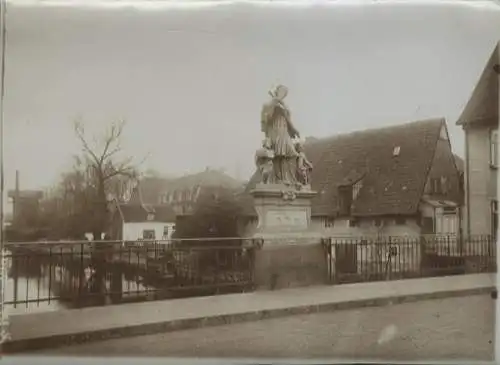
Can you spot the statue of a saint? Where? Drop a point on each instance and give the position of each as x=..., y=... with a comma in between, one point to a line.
x=279, y=130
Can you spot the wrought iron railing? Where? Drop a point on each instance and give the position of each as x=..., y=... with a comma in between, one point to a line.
x=363, y=259
x=78, y=274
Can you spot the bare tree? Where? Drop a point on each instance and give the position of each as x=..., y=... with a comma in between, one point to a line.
x=106, y=171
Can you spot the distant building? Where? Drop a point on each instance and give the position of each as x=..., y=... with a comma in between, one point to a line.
x=25, y=204
x=184, y=192
x=132, y=222
x=393, y=181
x=151, y=189
x=479, y=120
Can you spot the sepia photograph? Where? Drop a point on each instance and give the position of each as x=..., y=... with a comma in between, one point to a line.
x=260, y=181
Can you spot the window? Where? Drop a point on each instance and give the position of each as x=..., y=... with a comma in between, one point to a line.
x=436, y=186
x=494, y=148
x=446, y=224
x=353, y=223
x=444, y=185
x=150, y=216
x=494, y=218
x=449, y=210
x=148, y=234
x=165, y=231
x=377, y=222
x=400, y=221
x=329, y=222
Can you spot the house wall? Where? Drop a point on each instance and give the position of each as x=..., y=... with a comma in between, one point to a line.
x=134, y=230
x=481, y=181
x=340, y=228
x=444, y=224
x=365, y=227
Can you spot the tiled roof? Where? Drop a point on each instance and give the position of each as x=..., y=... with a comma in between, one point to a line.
x=390, y=184
x=206, y=178
x=139, y=213
x=483, y=103
x=150, y=189
x=459, y=162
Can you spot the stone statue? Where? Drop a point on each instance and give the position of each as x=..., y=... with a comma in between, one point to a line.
x=264, y=160
x=304, y=166
x=279, y=130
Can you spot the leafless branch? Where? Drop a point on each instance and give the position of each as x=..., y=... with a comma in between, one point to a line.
x=80, y=133
x=112, y=137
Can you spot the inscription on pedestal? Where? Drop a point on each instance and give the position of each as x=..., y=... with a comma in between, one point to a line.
x=283, y=218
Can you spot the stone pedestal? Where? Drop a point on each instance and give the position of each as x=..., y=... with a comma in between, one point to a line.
x=292, y=253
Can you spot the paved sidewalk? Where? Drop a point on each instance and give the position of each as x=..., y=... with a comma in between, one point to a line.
x=73, y=326
x=460, y=328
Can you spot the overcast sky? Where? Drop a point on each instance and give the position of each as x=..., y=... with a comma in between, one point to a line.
x=191, y=82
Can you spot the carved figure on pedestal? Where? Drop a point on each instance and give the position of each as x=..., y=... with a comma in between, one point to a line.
x=278, y=128
x=304, y=166
x=264, y=160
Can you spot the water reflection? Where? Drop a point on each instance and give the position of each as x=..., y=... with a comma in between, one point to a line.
x=42, y=285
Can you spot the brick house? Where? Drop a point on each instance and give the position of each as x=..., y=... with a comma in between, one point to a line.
x=479, y=120
x=393, y=181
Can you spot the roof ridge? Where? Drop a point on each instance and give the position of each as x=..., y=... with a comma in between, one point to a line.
x=376, y=129
x=430, y=161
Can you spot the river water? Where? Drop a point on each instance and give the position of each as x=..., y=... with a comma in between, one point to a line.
x=41, y=283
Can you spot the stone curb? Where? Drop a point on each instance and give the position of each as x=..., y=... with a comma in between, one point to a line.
x=32, y=344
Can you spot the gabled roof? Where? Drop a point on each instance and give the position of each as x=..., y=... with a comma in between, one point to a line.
x=459, y=162
x=482, y=106
x=390, y=185
x=149, y=189
x=206, y=178
x=139, y=213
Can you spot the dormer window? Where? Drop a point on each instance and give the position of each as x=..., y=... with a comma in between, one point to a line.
x=150, y=216
x=396, y=151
